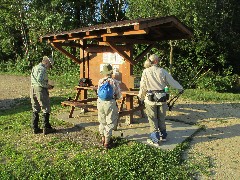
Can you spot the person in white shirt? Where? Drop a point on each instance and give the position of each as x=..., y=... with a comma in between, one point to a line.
x=153, y=82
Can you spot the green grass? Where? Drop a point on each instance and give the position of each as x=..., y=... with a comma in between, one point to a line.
x=24, y=155
x=209, y=96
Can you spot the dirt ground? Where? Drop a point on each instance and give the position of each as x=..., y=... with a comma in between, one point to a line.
x=217, y=144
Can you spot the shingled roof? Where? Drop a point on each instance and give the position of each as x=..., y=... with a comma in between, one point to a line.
x=143, y=30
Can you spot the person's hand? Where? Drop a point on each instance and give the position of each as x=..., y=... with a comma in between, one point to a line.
x=181, y=91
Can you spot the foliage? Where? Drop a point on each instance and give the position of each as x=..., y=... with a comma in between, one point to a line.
x=219, y=83
x=215, y=45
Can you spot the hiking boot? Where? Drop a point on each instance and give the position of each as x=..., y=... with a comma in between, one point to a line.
x=37, y=131
x=35, y=120
x=48, y=131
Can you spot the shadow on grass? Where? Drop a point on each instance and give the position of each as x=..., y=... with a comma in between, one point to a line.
x=19, y=105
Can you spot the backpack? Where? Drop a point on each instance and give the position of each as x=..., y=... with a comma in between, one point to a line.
x=84, y=82
x=105, y=91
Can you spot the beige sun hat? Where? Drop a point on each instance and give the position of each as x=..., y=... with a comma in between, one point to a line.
x=107, y=69
x=49, y=59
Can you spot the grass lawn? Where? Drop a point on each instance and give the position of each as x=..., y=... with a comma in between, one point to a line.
x=77, y=154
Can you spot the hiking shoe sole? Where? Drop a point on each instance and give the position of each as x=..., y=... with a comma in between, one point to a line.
x=150, y=142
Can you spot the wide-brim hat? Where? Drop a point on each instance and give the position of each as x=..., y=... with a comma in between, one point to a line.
x=107, y=69
x=49, y=59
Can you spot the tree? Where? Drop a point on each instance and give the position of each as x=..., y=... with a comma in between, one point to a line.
x=215, y=45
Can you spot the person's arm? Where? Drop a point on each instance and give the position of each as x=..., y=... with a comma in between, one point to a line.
x=172, y=82
x=143, y=87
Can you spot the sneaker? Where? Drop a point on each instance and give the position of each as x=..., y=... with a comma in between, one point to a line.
x=164, y=139
x=49, y=130
x=150, y=142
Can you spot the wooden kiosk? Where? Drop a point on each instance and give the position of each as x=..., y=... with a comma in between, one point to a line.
x=113, y=43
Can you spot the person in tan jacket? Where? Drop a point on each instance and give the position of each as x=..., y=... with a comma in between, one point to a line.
x=152, y=91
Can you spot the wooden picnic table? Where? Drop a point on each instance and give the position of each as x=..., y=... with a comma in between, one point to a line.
x=86, y=102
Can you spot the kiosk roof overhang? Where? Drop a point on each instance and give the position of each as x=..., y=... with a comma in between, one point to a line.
x=139, y=31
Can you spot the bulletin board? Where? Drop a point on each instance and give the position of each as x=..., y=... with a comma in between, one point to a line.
x=122, y=69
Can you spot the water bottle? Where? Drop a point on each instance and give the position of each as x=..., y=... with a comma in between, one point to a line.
x=166, y=89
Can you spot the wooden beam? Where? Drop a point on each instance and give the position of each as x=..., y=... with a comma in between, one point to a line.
x=140, y=56
x=73, y=35
x=59, y=47
x=94, y=48
x=72, y=44
x=182, y=28
x=146, y=31
x=153, y=22
x=120, y=52
x=99, y=49
x=127, y=40
x=92, y=37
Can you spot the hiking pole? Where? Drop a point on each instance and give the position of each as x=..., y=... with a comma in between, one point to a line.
x=175, y=98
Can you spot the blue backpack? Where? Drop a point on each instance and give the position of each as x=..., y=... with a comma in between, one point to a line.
x=105, y=91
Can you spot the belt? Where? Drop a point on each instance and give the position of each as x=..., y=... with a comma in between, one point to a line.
x=156, y=91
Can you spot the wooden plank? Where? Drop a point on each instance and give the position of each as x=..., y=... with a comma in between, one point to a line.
x=77, y=104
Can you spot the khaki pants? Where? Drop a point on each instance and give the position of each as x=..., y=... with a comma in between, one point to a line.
x=107, y=117
x=156, y=116
x=40, y=99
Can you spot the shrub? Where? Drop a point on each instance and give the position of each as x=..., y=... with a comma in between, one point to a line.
x=215, y=82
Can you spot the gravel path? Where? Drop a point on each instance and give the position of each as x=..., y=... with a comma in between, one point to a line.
x=217, y=144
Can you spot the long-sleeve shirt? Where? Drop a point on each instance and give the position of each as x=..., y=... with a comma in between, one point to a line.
x=155, y=78
x=39, y=76
x=114, y=83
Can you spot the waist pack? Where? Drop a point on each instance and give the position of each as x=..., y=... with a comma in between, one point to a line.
x=157, y=96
